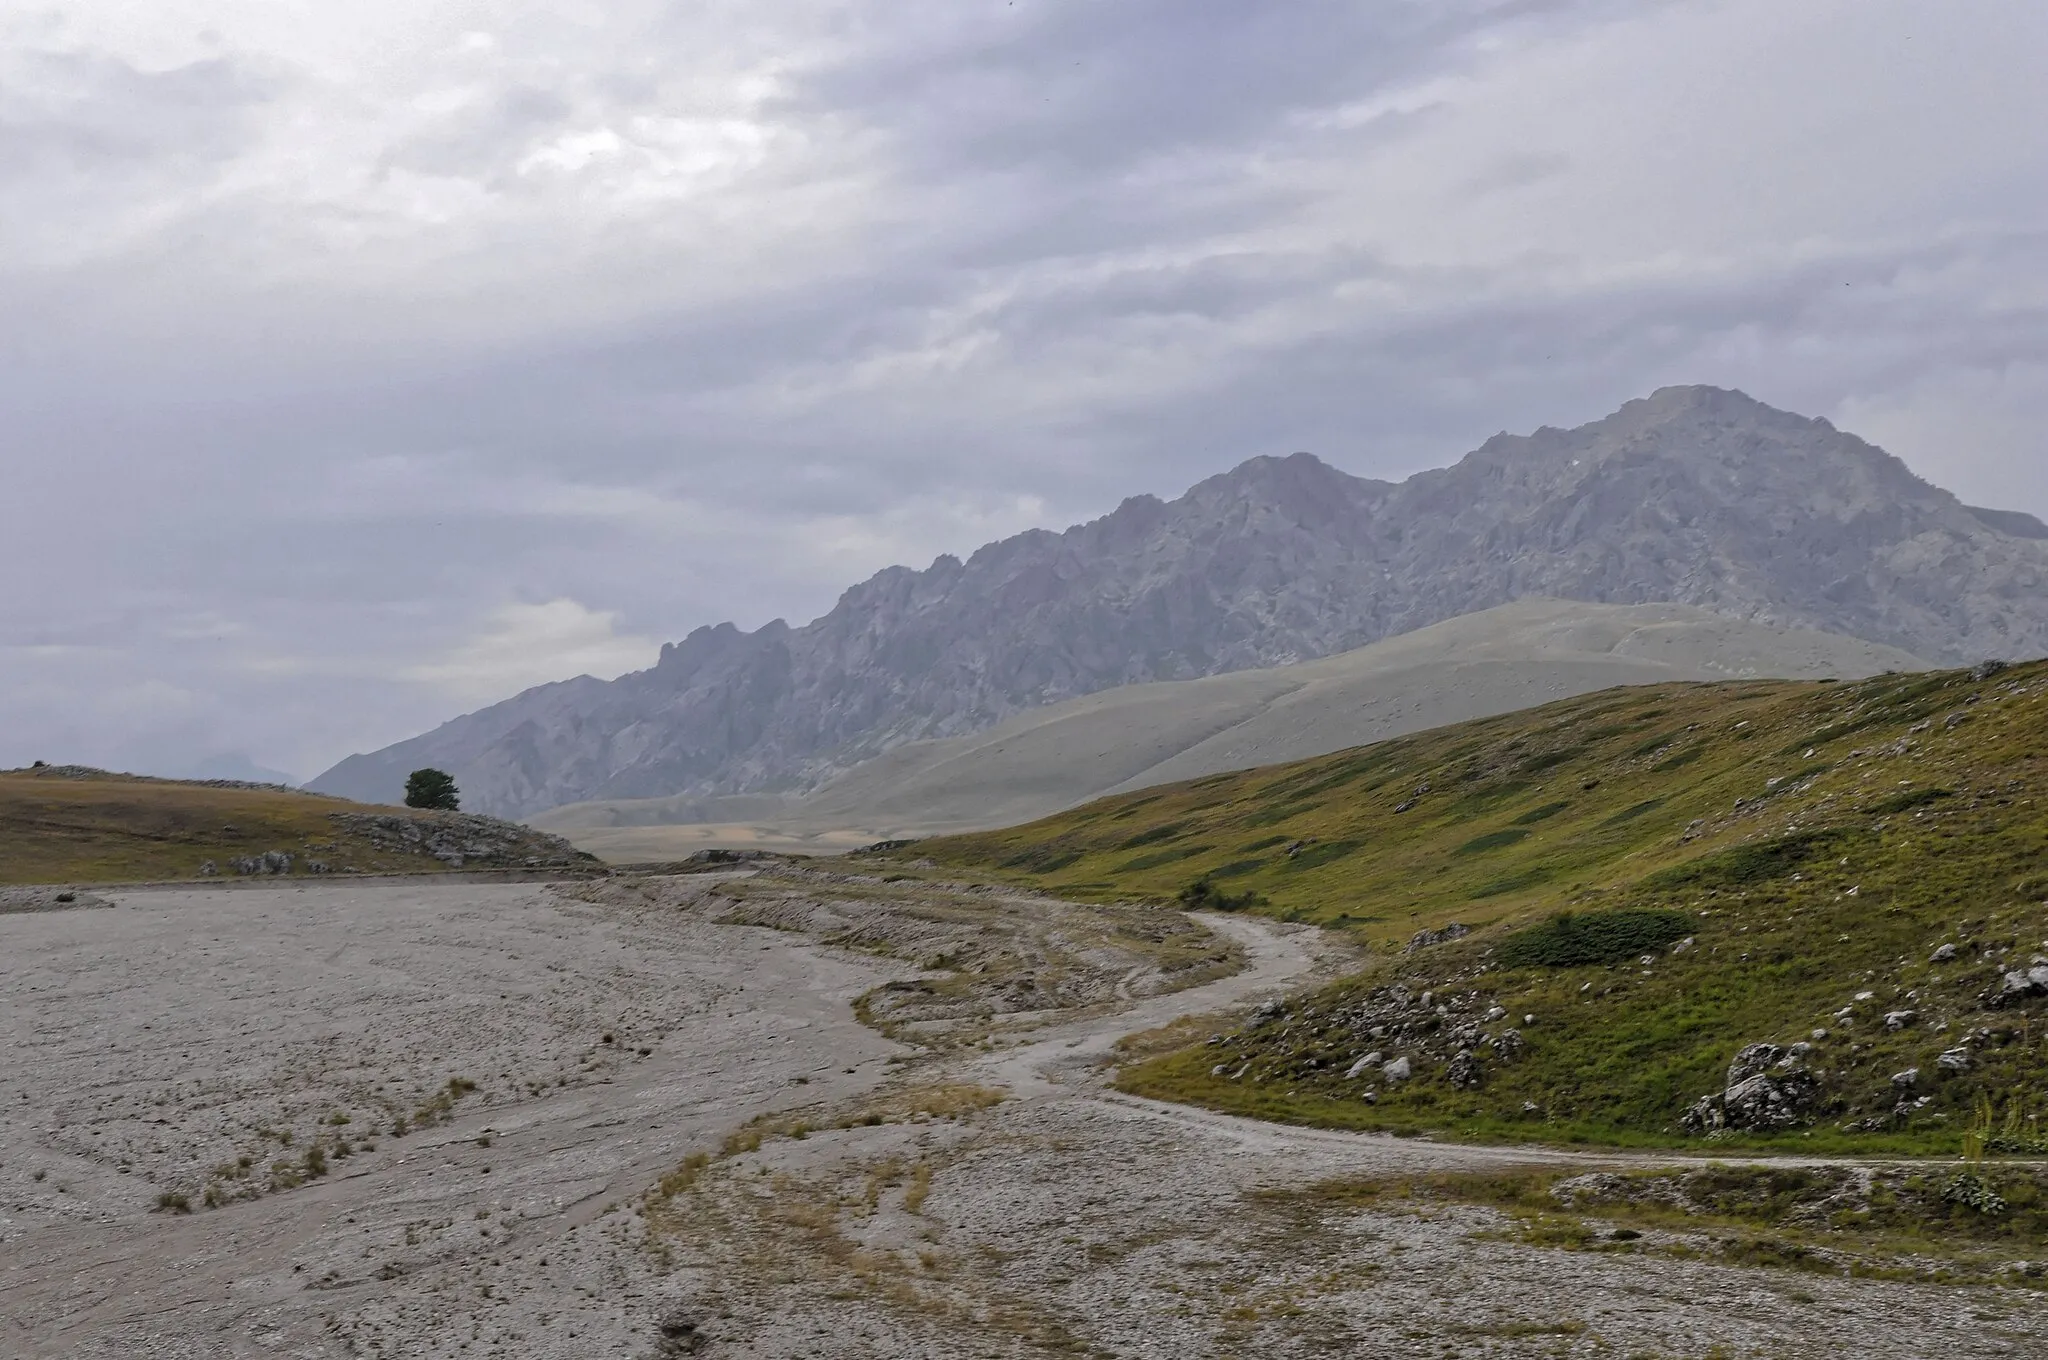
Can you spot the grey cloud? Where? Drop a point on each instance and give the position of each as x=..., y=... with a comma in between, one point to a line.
x=1071, y=87
x=88, y=113
x=485, y=141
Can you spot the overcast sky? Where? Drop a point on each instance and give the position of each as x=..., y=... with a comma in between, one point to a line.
x=361, y=364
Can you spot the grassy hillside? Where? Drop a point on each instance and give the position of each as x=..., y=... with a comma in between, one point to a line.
x=1660, y=877
x=67, y=825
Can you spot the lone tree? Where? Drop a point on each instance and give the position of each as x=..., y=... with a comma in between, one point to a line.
x=432, y=789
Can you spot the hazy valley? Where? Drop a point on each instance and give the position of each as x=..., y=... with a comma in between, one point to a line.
x=1592, y=899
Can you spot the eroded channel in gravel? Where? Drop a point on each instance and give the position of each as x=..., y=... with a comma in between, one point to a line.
x=769, y=1177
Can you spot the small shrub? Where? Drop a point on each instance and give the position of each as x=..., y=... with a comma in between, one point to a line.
x=1569, y=940
x=173, y=1202
x=1968, y=1189
x=1203, y=895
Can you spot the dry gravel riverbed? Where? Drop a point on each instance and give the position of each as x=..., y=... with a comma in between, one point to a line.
x=636, y=1125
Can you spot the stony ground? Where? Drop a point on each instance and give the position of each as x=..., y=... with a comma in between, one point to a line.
x=634, y=1126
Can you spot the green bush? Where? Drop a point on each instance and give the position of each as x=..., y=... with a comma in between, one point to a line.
x=1202, y=895
x=1569, y=940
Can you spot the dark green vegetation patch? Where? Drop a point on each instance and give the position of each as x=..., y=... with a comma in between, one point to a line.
x=1572, y=939
x=1907, y=801
x=1492, y=840
x=1745, y=864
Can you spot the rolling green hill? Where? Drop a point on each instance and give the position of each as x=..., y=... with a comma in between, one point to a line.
x=1661, y=877
x=68, y=824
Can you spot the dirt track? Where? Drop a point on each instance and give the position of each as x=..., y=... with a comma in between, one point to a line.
x=165, y=1034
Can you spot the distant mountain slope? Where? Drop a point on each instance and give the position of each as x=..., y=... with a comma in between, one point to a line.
x=1047, y=759
x=1694, y=495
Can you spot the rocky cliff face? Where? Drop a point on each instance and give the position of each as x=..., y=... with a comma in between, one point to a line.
x=1692, y=495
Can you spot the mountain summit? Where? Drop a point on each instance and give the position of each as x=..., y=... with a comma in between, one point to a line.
x=1693, y=495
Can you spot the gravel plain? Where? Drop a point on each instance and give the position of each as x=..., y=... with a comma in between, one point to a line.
x=631, y=1129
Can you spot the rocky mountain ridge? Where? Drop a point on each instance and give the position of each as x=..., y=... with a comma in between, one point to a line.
x=1694, y=495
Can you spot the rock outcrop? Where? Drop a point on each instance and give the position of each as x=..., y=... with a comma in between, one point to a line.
x=1768, y=1088
x=1693, y=495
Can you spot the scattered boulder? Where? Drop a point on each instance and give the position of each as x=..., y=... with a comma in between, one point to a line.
x=1954, y=1060
x=1768, y=1088
x=720, y=855
x=1906, y=1080
x=456, y=839
x=1359, y=1068
x=1752, y=1060
x=1398, y=1071
x=2015, y=986
x=1898, y=1020
x=1464, y=1070
x=1423, y=939
x=1944, y=954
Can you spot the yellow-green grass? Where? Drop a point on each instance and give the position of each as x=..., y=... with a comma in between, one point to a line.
x=1821, y=841
x=108, y=828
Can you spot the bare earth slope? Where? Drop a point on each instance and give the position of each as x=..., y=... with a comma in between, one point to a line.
x=1044, y=760
x=1694, y=495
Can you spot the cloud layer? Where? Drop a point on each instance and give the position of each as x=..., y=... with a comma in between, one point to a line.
x=364, y=365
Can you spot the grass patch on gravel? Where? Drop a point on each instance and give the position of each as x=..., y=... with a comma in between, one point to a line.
x=1897, y=1222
